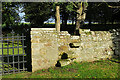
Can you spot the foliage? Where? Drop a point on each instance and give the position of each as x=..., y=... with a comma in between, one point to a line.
x=101, y=12
x=9, y=14
x=37, y=13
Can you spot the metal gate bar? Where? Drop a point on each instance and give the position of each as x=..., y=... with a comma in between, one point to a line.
x=13, y=62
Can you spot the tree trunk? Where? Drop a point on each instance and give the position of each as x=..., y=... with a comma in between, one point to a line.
x=57, y=21
x=78, y=17
x=105, y=21
x=81, y=15
x=72, y=21
x=89, y=22
x=64, y=18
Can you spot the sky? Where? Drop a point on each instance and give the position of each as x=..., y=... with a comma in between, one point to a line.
x=21, y=15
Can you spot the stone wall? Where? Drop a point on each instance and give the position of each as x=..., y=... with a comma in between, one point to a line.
x=50, y=48
x=90, y=46
x=116, y=41
x=44, y=48
x=94, y=45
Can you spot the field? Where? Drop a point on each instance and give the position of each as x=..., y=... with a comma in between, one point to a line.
x=98, y=69
x=8, y=54
x=10, y=51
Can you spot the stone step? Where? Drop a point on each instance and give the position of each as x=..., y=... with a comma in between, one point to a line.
x=64, y=62
x=74, y=45
x=67, y=55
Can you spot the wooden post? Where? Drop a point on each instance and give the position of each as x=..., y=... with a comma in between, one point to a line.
x=57, y=21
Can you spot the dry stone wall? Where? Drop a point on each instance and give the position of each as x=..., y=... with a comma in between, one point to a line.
x=44, y=48
x=50, y=48
x=94, y=45
x=116, y=41
x=90, y=46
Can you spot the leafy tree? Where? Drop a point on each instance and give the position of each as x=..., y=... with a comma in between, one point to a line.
x=80, y=9
x=66, y=12
x=37, y=13
x=115, y=11
x=9, y=13
x=103, y=12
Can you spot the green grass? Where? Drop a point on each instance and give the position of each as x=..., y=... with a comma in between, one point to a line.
x=96, y=69
x=10, y=51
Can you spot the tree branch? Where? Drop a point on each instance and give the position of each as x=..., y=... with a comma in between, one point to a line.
x=74, y=5
x=114, y=6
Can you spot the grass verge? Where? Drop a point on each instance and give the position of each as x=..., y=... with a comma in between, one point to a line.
x=96, y=69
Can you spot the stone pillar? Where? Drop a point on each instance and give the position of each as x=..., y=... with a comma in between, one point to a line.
x=44, y=48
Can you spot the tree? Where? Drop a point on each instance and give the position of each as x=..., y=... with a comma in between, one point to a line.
x=101, y=12
x=79, y=8
x=116, y=11
x=81, y=14
x=37, y=13
x=9, y=13
x=65, y=13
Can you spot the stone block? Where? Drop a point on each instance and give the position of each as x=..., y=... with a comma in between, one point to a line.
x=38, y=64
x=63, y=48
x=75, y=37
x=43, y=29
x=75, y=40
x=64, y=62
x=35, y=40
x=37, y=45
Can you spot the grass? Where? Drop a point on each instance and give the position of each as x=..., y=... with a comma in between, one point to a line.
x=96, y=69
x=10, y=51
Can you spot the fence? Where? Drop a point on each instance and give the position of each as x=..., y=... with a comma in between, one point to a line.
x=12, y=54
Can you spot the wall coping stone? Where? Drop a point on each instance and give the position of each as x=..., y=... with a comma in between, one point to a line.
x=45, y=29
x=75, y=37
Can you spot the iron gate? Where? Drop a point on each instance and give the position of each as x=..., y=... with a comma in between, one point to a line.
x=12, y=54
